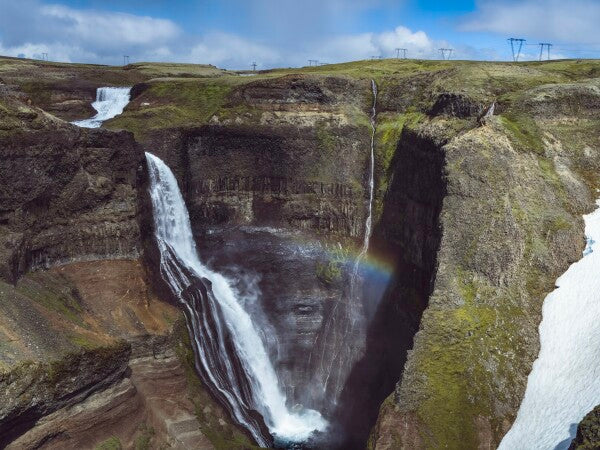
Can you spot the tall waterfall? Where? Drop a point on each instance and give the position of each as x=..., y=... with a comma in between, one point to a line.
x=343, y=339
x=230, y=355
x=110, y=102
x=564, y=385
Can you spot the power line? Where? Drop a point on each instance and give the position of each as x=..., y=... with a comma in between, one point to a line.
x=512, y=47
x=403, y=50
x=542, y=45
x=443, y=52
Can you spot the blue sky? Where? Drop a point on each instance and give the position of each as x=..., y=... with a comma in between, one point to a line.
x=233, y=33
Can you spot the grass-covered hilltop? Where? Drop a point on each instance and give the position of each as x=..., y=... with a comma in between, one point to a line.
x=475, y=217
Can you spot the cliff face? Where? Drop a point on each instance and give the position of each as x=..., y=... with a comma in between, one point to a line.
x=89, y=353
x=510, y=224
x=474, y=219
x=67, y=194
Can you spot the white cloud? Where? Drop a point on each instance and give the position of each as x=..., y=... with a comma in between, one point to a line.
x=110, y=29
x=567, y=21
x=29, y=27
x=366, y=45
x=229, y=50
x=79, y=35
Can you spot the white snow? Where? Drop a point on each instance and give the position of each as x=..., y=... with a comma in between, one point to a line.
x=564, y=384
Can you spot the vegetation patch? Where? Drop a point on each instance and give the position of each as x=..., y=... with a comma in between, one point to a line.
x=388, y=132
x=112, y=443
x=524, y=132
x=144, y=437
x=54, y=293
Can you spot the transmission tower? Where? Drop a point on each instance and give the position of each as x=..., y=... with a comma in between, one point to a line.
x=403, y=50
x=512, y=47
x=443, y=53
x=542, y=45
x=44, y=56
x=125, y=60
x=254, y=66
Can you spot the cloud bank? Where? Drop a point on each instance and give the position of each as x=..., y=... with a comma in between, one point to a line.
x=31, y=27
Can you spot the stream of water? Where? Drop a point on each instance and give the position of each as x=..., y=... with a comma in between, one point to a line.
x=230, y=354
x=110, y=102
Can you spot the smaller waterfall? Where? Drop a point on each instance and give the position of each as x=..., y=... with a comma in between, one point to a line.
x=110, y=102
x=230, y=355
x=343, y=339
x=490, y=111
x=369, y=221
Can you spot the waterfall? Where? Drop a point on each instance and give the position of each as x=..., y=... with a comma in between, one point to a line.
x=230, y=355
x=490, y=112
x=110, y=102
x=369, y=221
x=564, y=385
x=343, y=338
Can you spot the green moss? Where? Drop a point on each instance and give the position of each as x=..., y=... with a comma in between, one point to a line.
x=54, y=293
x=525, y=133
x=173, y=103
x=112, y=443
x=465, y=341
x=144, y=437
x=83, y=341
x=387, y=136
x=327, y=140
x=330, y=272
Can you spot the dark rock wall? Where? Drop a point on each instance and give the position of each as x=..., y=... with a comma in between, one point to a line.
x=588, y=432
x=407, y=238
x=66, y=194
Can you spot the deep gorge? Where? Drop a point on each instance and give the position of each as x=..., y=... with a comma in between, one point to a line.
x=474, y=217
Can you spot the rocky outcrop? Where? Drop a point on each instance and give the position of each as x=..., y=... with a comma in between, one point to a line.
x=67, y=194
x=588, y=432
x=151, y=395
x=511, y=223
x=32, y=391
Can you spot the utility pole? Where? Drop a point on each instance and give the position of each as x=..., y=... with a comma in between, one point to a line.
x=512, y=47
x=125, y=60
x=254, y=66
x=443, y=52
x=398, y=50
x=542, y=45
x=313, y=62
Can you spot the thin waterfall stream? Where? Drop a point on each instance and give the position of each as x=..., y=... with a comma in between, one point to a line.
x=369, y=220
x=230, y=355
x=345, y=330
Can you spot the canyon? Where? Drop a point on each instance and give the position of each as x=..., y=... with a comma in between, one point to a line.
x=391, y=243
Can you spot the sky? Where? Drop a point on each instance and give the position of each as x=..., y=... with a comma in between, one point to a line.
x=287, y=33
